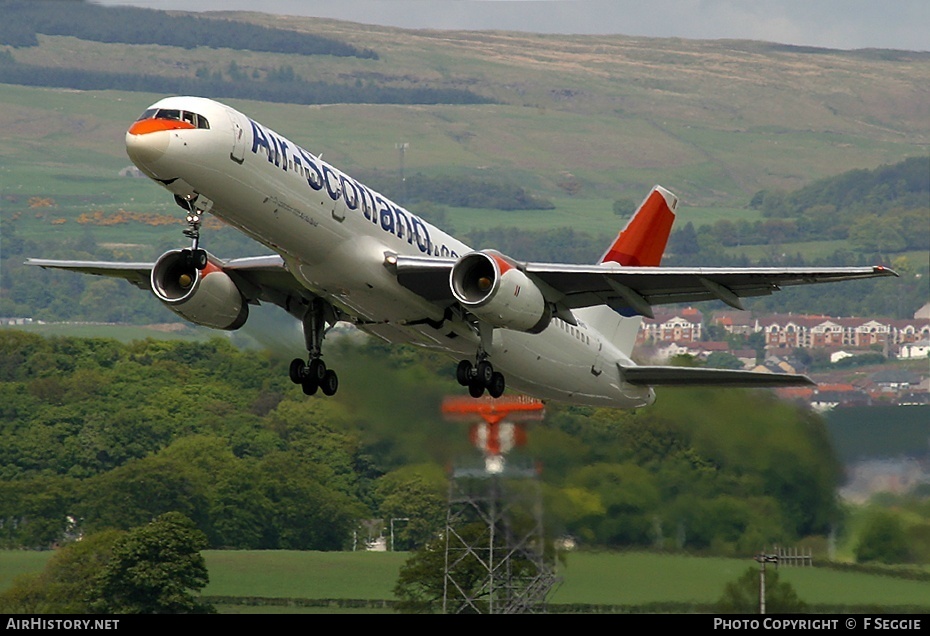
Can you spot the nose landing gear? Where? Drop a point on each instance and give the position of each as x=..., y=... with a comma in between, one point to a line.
x=195, y=207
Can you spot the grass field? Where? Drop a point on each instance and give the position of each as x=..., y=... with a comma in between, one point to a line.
x=587, y=578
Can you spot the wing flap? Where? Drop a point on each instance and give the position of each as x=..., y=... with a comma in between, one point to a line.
x=690, y=376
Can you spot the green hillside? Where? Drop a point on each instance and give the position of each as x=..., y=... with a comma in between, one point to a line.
x=742, y=131
x=716, y=121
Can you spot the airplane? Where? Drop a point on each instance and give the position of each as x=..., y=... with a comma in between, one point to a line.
x=344, y=252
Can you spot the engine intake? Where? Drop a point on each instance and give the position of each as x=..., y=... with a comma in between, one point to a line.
x=207, y=297
x=494, y=289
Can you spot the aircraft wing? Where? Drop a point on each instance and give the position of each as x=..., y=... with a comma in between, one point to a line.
x=703, y=376
x=136, y=273
x=259, y=278
x=637, y=288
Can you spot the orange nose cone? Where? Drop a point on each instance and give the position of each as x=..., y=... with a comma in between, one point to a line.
x=145, y=126
x=145, y=147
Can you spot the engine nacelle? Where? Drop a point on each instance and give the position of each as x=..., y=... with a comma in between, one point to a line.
x=491, y=287
x=205, y=297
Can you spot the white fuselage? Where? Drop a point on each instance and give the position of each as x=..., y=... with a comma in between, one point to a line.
x=334, y=234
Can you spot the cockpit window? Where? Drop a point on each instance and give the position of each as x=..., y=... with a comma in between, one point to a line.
x=195, y=120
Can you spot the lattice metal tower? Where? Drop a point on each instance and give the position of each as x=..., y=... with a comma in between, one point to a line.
x=495, y=549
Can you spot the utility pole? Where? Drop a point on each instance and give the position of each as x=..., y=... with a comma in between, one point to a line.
x=763, y=559
x=402, y=153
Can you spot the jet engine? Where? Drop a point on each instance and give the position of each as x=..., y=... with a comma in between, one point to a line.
x=207, y=297
x=493, y=288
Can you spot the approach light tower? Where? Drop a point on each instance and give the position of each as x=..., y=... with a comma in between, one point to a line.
x=495, y=545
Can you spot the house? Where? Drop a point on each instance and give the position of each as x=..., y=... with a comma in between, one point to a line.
x=829, y=396
x=894, y=380
x=912, y=350
x=793, y=331
x=736, y=322
x=684, y=325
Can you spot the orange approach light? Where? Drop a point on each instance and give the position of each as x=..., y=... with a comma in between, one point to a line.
x=497, y=425
x=493, y=411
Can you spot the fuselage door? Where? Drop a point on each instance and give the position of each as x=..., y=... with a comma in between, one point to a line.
x=237, y=153
x=596, y=369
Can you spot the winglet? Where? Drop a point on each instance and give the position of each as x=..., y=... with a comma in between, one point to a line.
x=642, y=242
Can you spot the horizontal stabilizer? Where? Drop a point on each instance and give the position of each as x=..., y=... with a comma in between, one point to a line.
x=691, y=376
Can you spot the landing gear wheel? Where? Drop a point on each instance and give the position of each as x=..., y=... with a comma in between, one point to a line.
x=475, y=388
x=330, y=382
x=297, y=370
x=485, y=372
x=316, y=370
x=463, y=373
x=309, y=385
x=199, y=259
x=497, y=385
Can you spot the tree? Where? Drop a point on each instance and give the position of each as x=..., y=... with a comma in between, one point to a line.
x=742, y=595
x=883, y=539
x=155, y=569
x=419, y=587
x=417, y=495
x=421, y=583
x=625, y=207
x=724, y=360
x=64, y=586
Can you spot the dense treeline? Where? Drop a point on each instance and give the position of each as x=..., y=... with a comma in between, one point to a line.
x=129, y=25
x=96, y=435
x=903, y=184
x=883, y=210
x=46, y=295
x=293, y=91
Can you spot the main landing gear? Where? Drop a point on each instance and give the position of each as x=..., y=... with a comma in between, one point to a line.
x=313, y=374
x=480, y=376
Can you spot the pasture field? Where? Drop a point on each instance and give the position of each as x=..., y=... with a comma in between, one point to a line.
x=616, y=579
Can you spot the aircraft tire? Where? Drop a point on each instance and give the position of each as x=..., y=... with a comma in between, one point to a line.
x=485, y=372
x=316, y=370
x=463, y=372
x=475, y=388
x=497, y=385
x=296, y=371
x=330, y=382
x=309, y=385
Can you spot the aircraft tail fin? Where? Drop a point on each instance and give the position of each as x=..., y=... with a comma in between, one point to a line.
x=642, y=242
